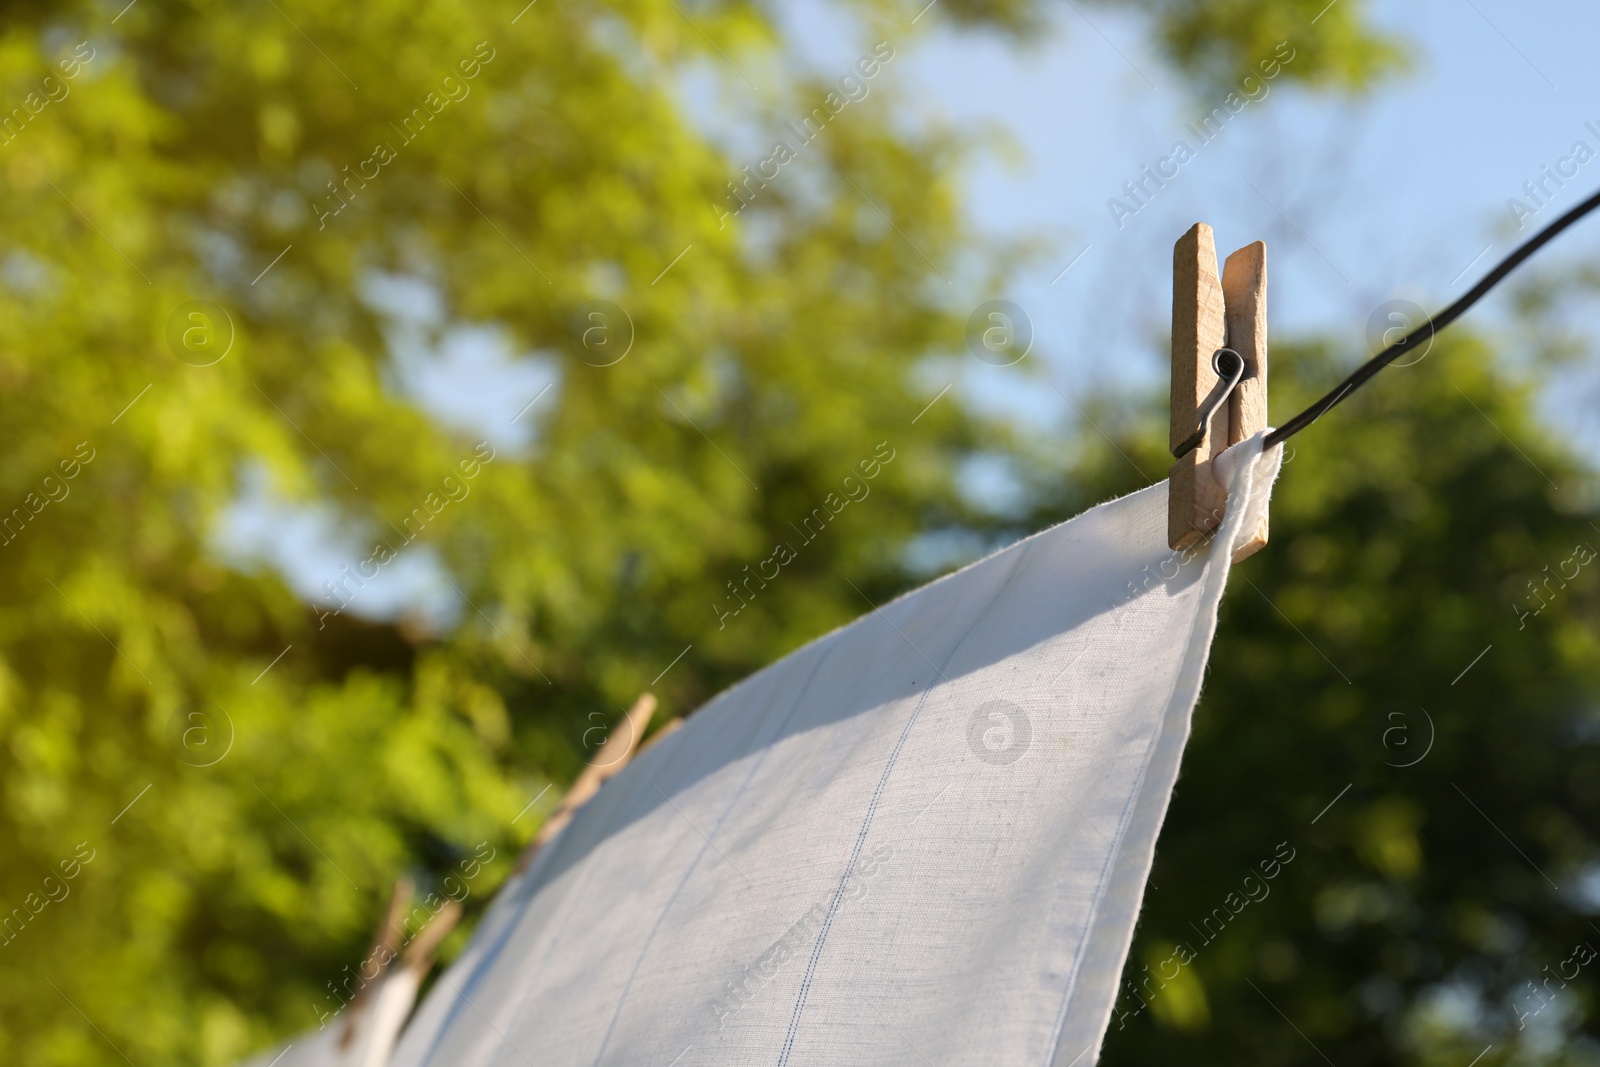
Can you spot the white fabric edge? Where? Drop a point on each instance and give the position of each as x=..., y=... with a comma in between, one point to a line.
x=1249, y=472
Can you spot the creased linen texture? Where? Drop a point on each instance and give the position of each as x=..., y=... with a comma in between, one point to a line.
x=923, y=838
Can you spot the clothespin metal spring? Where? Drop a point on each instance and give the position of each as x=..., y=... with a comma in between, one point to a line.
x=1230, y=369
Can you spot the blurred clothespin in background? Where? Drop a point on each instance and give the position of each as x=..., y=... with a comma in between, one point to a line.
x=615, y=751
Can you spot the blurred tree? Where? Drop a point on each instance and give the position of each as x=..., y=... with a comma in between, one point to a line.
x=1382, y=847
x=230, y=231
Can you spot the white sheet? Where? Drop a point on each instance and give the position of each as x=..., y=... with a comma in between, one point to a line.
x=922, y=838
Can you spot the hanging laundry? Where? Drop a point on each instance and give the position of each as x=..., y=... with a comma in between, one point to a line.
x=923, y=838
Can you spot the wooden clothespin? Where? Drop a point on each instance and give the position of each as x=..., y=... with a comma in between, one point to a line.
x=1211, y=313
x=614, y=753
x=375, y=1015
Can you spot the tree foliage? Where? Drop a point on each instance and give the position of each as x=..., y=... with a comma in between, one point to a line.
x=225, y=224
x=1402, y=699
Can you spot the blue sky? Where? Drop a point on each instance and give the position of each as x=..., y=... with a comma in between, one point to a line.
x=1402, y=194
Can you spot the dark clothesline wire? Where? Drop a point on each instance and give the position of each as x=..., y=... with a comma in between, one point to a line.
x=1434, y=324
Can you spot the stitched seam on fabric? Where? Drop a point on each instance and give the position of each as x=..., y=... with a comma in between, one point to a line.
x=694, y=864
x=872, y=807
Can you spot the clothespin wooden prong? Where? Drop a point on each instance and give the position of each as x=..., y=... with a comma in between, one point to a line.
x=1194, y=499
x=1244, y=293
x=1208, y=313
